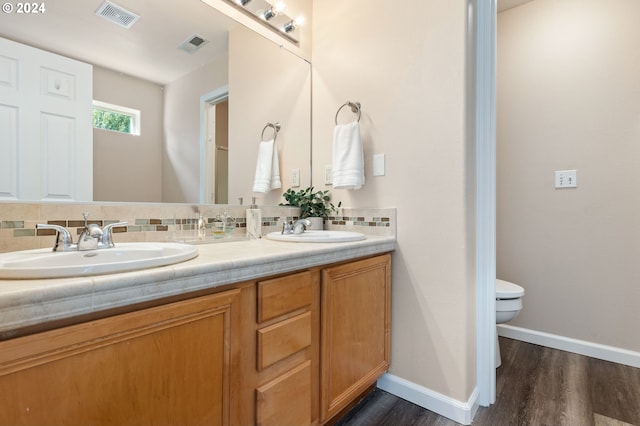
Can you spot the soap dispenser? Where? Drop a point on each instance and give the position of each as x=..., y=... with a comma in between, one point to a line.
x=254, y=220
x=202, y=231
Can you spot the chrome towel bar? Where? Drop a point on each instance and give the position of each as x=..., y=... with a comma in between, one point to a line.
x=355, y=108
x=274, y=126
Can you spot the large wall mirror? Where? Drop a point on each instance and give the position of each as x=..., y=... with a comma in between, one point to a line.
x=205, y=85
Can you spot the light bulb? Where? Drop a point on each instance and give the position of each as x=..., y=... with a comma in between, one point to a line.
x=299, y=20
x=279, y=7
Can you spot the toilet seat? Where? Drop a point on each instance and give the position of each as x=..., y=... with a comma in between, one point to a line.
x=508, y=306
x=508, y=290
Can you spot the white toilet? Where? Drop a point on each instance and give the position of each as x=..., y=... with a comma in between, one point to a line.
x=508, y=306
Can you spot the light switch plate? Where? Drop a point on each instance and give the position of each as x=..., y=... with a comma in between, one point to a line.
x=378, y=165
x=566, y=179
x=295, y=178
x=328, y=174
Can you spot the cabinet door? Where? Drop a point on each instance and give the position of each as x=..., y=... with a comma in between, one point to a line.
x=355, y=320
x=170, y=364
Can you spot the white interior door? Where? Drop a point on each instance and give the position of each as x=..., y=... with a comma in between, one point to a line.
x=45, y=112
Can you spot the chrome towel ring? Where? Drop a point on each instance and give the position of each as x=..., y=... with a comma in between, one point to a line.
x=275, y=127
x=355, y=108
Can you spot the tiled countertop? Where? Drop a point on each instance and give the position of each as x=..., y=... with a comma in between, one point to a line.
x=29, y=302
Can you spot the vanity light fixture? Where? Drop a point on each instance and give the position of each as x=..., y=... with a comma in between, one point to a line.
x=271, y=15
x=274, y=11
x=293, y=24
x=290, y=26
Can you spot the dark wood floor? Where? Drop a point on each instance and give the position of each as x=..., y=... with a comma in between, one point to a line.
x=534, y=386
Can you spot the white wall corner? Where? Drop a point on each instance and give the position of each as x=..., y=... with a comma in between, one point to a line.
x=581, y=347
x=461, y=412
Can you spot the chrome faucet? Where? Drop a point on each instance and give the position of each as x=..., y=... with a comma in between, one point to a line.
x=300, y=226
x=64, y=241
x=92, y=236
x=89, y=236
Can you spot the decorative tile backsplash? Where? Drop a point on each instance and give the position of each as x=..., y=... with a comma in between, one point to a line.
x=162, y=222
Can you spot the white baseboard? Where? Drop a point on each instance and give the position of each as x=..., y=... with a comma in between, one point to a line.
x=461, y=412
x=582, y=347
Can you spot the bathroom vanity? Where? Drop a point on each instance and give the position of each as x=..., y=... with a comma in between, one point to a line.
x=249, y=332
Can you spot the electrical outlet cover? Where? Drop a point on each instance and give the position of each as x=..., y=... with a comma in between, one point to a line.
x=378, y=165
x=328, y=174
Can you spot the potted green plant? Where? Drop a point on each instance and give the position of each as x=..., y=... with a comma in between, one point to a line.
x=312, y=204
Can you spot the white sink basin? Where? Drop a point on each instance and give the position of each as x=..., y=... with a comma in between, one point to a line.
x=317, y=237
x=44, y=263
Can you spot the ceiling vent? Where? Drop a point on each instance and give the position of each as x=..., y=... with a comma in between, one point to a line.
x=192, y=43
x=116, y=14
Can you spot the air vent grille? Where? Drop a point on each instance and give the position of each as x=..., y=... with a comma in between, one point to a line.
x=192, y=43
x=116, y=14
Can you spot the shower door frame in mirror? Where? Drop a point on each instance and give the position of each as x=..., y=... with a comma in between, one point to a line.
x=214, y=155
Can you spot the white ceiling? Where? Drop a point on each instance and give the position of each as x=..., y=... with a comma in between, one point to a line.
x=147, y=50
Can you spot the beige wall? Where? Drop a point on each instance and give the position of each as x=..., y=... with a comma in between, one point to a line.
x=127, y=167
x=569, y=98
x=267, y=84
x=406, y=65
x=181, y=155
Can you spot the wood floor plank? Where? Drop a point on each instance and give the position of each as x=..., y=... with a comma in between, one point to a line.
x=577, y=399
x=403, y=413
x=371, y=411
x=515, y=382
x=559, y=396
x=615, y=390
x=534, y=386
x=607, y=421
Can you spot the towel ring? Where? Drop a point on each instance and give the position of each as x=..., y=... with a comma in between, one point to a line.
x=274, y=126
x=355, y=108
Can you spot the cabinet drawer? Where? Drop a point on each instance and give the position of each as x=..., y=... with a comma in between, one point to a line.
x=282, y=295
x=283, y=339
x=286, y=401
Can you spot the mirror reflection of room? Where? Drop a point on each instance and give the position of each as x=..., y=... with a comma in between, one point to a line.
x=172, y=76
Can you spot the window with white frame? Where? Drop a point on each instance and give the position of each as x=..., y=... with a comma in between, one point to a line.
x=116, y=118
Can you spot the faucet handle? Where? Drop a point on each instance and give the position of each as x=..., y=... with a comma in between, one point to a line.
x=286, y=226
x=107, y=240
x=300, y=226
x=64, y=241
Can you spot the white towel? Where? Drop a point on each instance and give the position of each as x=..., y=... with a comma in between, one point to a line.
x=348, y=157
x=267, y=168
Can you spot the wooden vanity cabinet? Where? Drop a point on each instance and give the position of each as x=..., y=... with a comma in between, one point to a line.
x=286, y=363
x=322, y=339
x=171, y=364
x=355, y=330
x=289, y=350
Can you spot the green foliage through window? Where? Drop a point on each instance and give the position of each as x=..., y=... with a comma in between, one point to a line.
x=111, y=121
